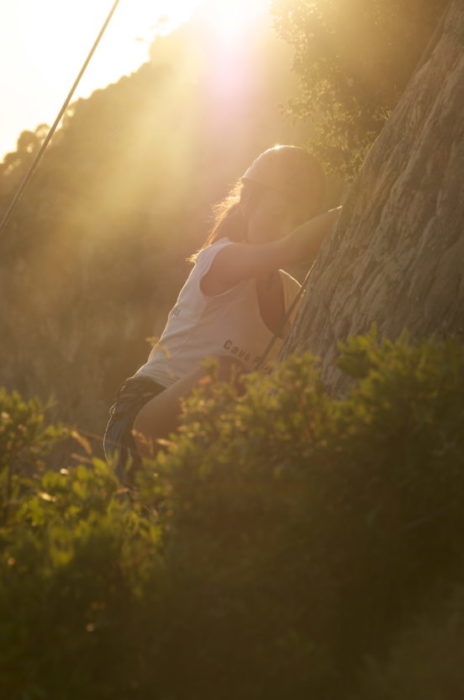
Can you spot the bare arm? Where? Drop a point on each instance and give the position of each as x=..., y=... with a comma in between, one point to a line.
x=239, y=261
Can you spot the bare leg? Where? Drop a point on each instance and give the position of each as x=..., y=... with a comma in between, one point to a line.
x=160, y=416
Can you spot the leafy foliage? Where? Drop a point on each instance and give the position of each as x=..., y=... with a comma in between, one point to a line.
x=281, y=539
x=353, y=59
x=75, y=554
x=25, y=441
x=426, y=660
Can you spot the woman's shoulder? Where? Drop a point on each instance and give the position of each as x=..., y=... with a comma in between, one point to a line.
x=212, y=248
x=206, y=255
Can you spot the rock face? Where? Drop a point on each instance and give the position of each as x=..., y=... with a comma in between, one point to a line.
x=396, y=257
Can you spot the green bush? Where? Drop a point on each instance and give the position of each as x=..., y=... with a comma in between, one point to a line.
x=426, y=661
x=25, y=440
x=75, y=554
x=283, y=537
x=72, y=588
x=311, y=528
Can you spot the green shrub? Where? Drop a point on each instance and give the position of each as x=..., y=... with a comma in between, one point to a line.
x=282, y=538
x=310, y=528
x=75, y=556
x=72, y=587
x=25, y=440
x=426, y=661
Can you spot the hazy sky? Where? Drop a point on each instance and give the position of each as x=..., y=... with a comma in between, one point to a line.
x=44, y=42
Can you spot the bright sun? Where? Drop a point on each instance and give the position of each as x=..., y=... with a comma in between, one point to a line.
x=233, y=19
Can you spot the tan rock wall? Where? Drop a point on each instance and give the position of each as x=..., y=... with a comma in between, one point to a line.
x=397, y=256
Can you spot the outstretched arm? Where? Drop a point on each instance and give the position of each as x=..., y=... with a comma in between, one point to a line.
x=242, y=260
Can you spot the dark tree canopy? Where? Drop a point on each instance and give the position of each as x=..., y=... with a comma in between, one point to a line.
x=354, y=58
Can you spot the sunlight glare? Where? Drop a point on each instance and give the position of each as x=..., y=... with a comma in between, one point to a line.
x=231, y=29
x=135, y=25
x=231, y=20
x=148, y=18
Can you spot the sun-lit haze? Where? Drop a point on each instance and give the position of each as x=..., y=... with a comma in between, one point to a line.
x=232, y=30
x=43, y=45
x=232, y=20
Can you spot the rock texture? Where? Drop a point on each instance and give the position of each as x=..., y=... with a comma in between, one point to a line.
x=396, y=257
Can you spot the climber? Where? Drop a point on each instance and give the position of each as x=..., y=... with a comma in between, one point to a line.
x=234, y=300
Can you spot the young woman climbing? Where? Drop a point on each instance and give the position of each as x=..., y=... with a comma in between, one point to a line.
x=234, y=300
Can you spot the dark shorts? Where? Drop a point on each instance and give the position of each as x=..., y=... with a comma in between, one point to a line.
x=118, y=441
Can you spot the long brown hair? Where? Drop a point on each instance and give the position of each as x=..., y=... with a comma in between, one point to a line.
x=229, y=221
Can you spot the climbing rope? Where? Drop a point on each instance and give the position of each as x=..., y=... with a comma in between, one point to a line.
x=38, y=158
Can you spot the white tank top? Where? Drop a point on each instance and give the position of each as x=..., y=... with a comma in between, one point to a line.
x=199, y=326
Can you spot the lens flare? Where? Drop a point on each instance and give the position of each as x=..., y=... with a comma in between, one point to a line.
x=231, y=30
